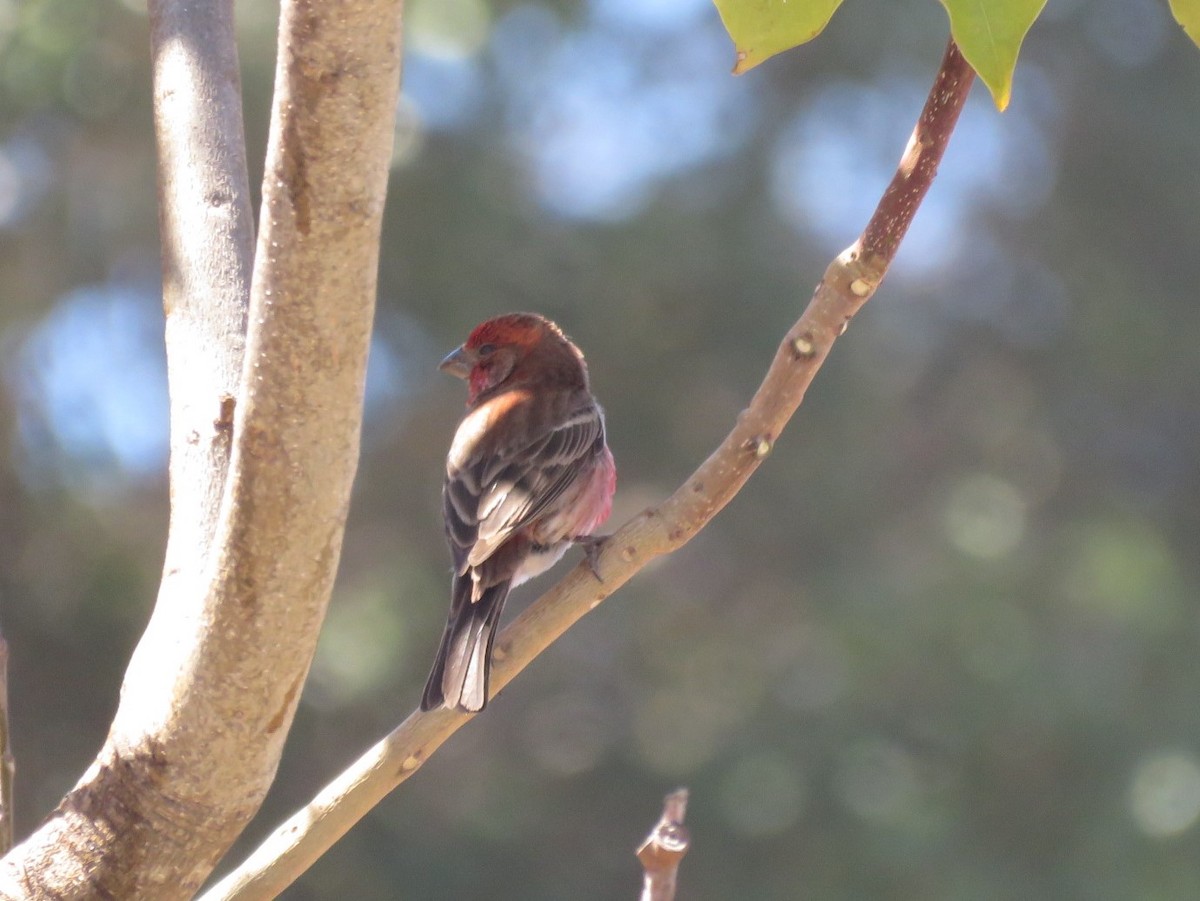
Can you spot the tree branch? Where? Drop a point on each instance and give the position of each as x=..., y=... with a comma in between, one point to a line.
x=849, y=282
x=207, y=233
x=664, y=849
x=264, y=448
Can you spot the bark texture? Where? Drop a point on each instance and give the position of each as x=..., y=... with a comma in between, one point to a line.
x=266, y=414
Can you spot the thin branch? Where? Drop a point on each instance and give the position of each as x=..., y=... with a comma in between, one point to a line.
x=881, y=238
x=849, y=282
x=664, y=848
x=8, y=766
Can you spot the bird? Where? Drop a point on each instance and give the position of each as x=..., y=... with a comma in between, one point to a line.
x=528, y=474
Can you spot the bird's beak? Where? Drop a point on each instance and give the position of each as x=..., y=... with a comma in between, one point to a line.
x=458, y=362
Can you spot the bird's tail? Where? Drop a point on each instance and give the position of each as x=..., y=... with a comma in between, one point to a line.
x=464, y=660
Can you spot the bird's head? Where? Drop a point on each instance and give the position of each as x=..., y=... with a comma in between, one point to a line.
x=508, y=348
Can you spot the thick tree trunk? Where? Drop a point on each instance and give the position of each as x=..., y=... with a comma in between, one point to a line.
x=265, y=430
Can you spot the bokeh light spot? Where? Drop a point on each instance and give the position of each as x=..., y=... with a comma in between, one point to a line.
x=602, y=122
x=840, y=150
x=8, y=17
x=985, y=516
x=1124, y=570
x=28, y=176
x=409, y=137
x=448, y=29
x=1164, y=795
x=10, y=189
x=651, y=15
x=447, y=94
x=91, y=379
x=1131, y=33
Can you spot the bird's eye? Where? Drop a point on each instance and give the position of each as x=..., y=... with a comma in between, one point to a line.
x=486, y=350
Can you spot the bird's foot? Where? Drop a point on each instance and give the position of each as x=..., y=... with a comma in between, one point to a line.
x=592, y=545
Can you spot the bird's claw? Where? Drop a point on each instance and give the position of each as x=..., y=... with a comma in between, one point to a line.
x=592, y=545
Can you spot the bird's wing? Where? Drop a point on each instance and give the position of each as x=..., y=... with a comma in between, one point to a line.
x=495, y=491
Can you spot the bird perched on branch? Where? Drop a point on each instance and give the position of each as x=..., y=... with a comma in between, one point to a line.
x=529, y=473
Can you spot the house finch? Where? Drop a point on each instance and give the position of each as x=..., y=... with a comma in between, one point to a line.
x=528, y=473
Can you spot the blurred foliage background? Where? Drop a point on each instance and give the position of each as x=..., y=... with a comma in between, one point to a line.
x=943, y=646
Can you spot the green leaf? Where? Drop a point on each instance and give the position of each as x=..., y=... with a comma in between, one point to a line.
x=1187, y=14
x=989, y=34
x=762, y=28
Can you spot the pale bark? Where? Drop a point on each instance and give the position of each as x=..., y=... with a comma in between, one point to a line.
x=264, y=441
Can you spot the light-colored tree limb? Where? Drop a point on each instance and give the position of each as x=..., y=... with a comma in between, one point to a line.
x=264, y=441
x=206, y=229
x=664, y=849
x=849, y=282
